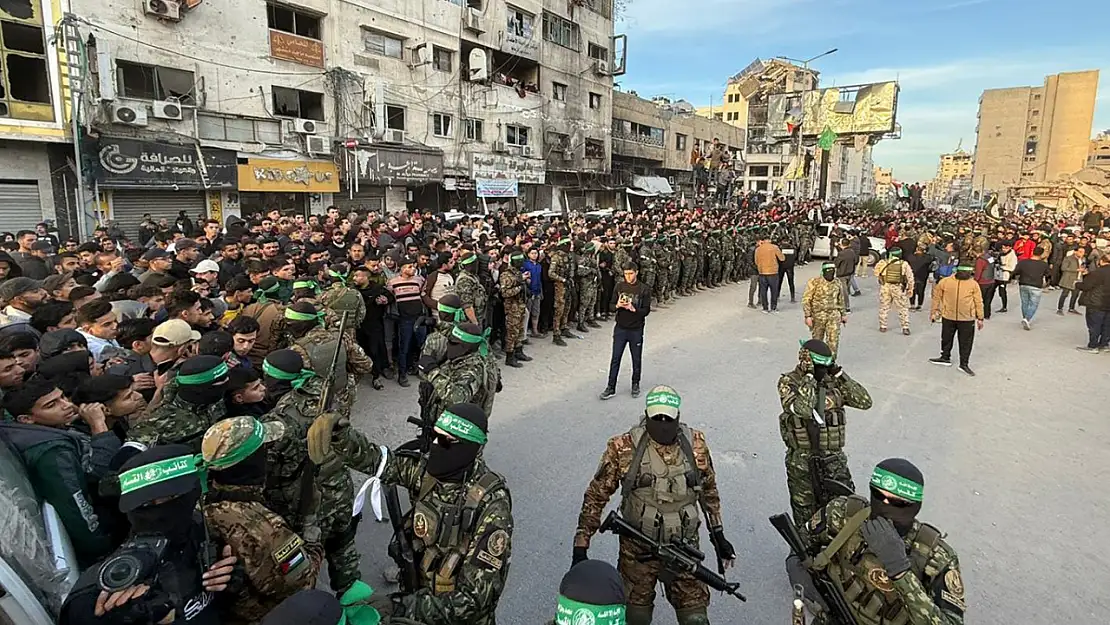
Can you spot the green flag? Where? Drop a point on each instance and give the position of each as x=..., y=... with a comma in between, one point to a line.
x=825, y=141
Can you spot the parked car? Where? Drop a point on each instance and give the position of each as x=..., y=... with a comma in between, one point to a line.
x=822, y=244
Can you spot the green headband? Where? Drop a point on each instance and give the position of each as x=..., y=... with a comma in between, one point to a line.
x=300, y=316
x=664, y=398
x=965, y=268
x=562, y=241
x=479, y=339
x=459, y=313
x=571, y=612
x=825, y=266
x=817, y=359
x=204, y=377
x=306, y=284
x=260, y=294
x=897, y=485
x=158, y=472
x=297, y=379
x=342, y=277
x=469, y=259
x=243, y=450
x=460, y=428
x=896, y=251
x=517, y=257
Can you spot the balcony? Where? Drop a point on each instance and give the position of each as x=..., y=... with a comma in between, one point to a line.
x=519, y=42
x=638, y=137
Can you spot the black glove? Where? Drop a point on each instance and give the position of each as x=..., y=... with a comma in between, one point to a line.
x=427, y=364
x=724, y=549
x=578, y=556
x=834, y=370
x=887, y=545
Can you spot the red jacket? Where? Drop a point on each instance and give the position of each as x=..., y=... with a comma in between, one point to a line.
x=1024, y=248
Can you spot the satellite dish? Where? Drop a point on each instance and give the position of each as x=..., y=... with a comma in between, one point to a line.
x=479, y=67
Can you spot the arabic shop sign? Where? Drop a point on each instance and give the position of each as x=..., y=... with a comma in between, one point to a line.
x=397, y=166
x=500, y=166
x=261, y=174
x=297, y=49
x=500, y=187
x=127, y=163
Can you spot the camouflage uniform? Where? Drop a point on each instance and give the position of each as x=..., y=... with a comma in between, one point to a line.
x=798, y=393
x=317, y=348
x=685, y=594
x=435, y=345
x=339, y=298
x=689, y=264
x=648, y=266
x=176, y=421
x=589, y=278
x=462, y=569
x=713, y=250
x=559, y=272
x=621, y=257
x=473, y=294
x=677, y=266
x=895, y=282
x=823, y=301
x=473, y=379
x=513, y=290
x=728, y=255
x=286, y=486
x=663, y=268
x=930, y=593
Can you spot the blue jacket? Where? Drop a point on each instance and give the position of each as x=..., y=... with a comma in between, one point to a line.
x=535, y=286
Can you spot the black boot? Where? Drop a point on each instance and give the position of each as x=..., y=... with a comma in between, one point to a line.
x=558, y=340
x=582, y=328
x=521, y=356
x=402, y=379
x=566, y=333
x=510, y=360
x=593, y=324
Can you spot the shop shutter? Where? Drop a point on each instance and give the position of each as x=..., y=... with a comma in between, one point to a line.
x=129, y=205
x=367, y=200
x=20, y=208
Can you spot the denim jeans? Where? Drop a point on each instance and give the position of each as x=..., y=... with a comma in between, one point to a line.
x=410, y=340
x=1098, y=327
x=1030, y=300
x=634, y=339
x=769, y=291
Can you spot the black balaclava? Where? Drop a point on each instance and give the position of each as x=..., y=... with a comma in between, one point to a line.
x=458, y=348
x=450, y=301
x=828, y=271
x=816, y=354
x=665, y=402
x=172, y=518
x=202, y=393
x=250, y=471
x=899, y=477
x=964, y=272
x=593, y=583
x=468, y=424
x=285, y=360
x=516, y=258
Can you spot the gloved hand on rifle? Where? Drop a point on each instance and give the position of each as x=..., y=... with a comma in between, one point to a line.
x=726, y=555
x=579, y=555
x=319, y=436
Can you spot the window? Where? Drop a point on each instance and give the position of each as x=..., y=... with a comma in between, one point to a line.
x=23, y=73
x=297, y=103
x=595, y=148
x=289, y=20
x=558, y=92
x=776, y=171
x=382, y=44
x=640, y=133
x=679, y=141
x=601, y=7
x=595, y=100
x=220, y=128
x=150, y=82
x=757, y=171
x=520, y=23
x=1036, y=96
x=441, y=124
x=442, y=59
x=1032, y=129
x=560, y=31
x=1030, y=147
x=473, y=129
x=600, y=53
x=1036, y=113
x=516, y=135
x=394, y=117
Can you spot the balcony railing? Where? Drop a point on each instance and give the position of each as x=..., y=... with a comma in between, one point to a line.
x=638, y=138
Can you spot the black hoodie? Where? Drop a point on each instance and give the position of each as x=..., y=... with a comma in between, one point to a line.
x=15, y=270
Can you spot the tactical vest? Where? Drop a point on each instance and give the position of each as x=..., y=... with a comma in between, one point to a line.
x=892, y=273
x=443, y=536
x=661, y=500
x=321, y=354
x=831, y=435
x=340, y=299
x=860, y=576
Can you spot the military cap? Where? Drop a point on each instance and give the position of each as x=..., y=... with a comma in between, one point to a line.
x=232, y=440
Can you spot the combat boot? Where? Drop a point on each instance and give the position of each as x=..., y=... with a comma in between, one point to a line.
x=691, y=616
x=558, y=340
x=582, y=328
x=566, y=333
x=593, y=324
x=521, y=356
x=510, y=361
x=638, y=614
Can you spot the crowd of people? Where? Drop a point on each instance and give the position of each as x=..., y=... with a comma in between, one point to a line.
x=139, y=371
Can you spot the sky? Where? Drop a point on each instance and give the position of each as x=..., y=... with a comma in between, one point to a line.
x=944, y=53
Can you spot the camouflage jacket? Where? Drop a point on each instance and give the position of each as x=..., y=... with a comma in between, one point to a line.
x=588, y=270
x=798, y=394
x=822, y=297
x=436, y=343
x=473, y=378
x=558, y=268
x=471, y=595
x=177, y=421
x=931, y=592
x=616, y=462
x=648, y=262
x=513, y=289
x=277, y=561
x=620, y=257
x=472, y=293
x=358, y=363
x=339, y=299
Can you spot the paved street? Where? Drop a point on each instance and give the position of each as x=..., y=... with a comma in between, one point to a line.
x=1015, y=459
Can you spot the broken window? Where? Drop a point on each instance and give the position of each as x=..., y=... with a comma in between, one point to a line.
x=289, y=20
x=558, y=92
x=516, y=135
x=560, y=31
x=519, y=22
x=595, y=100
x=595, y=148
x=151, y=82
x=382, y=44
x=600, y=53
x=442, y=59
x=297, y=103
x=24, y=79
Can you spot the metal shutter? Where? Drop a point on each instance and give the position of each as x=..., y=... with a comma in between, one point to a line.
x=128, y=206
x=368, y=199
x=20, y=208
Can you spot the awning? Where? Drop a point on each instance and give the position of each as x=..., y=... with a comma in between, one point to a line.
x=655, y=185
x=631, y=191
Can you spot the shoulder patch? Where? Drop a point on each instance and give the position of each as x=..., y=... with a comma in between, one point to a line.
x=290, y=556
x=491, y=561
x=497, y=543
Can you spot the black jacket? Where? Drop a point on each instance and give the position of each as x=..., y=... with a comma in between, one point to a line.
x=34, y=267
x=640, y=295
x=1096, y=289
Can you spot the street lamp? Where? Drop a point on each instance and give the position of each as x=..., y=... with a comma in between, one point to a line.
x=805, y=63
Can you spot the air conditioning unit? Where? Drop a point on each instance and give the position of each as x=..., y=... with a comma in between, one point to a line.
x=318, y=145
x=601, y=66
x=499, y=146
x=129, y=114
x=527, y=150
x=393, y=136
x=163, y=9
x=305, y=126
x=473, y=21
x=166, y=109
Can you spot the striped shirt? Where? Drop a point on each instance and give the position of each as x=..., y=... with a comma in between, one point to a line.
x=407, y=293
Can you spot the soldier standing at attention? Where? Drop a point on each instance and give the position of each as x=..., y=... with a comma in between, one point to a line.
x=470, y=290
x=895, y=284
x=812, y=425
x=559, y=272
x=899, y=569
x=588, y=279
x=823, y=307
x=513, y=290
x=468, y=374
x=666, y=475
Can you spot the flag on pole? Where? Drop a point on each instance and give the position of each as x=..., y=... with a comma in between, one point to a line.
x=825, y=141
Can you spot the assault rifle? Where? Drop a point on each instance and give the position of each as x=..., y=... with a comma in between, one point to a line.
x=400, y=548
x=310, y=473
x=426, y=421
x=830, y=595
x=824, y=489
x=678, y=558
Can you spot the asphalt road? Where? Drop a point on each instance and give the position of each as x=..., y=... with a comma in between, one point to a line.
x=1015, y=460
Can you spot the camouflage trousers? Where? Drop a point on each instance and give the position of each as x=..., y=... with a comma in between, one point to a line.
x=514, y=324
x=826, y=327
x=662, y=286
x=893, y=295
x=649, y=279
x=676, y=276
x=804, y=503
x=729, y=272
x=559, y=319
x=689, y=272
x=338, y=528
x=641, y=578
x=588, y=305
x=714, y=273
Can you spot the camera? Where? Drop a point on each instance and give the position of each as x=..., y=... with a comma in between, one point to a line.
x=137, y=561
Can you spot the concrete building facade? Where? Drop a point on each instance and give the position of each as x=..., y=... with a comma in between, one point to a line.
x=1099, y=152
x=953, y=177
x=884, y=184
x=1033, y=134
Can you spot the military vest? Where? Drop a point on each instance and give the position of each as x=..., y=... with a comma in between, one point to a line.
x=861, y=577
x=444, y=530
x=892, y=273
x=320, y=355
x=340, y=299
x=831, y=435
x=661, y=500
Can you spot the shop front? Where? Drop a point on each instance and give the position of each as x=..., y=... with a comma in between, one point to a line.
x=507, y=182
x=385, y=179
x=294, y=187
x=161, y=179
